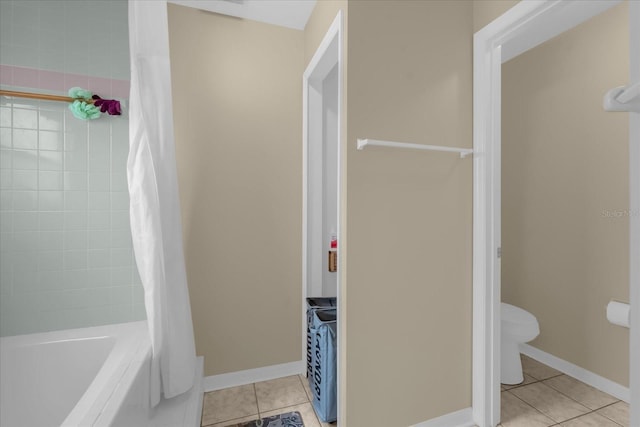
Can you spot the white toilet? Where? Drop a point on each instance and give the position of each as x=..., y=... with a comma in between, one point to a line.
x=518, y=326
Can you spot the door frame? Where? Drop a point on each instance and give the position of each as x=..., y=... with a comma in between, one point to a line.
x=521, y=28
x=327, y=56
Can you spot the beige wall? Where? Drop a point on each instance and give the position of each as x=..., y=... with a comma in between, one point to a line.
x=565, y=163
x=398, y=283
x=321, y=18
x=237, y=97
x=408, y=282
x=485, y=11
x=406, y=295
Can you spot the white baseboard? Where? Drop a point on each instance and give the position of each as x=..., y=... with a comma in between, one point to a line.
x=461, y=418
x=594, y=380
x=234, y=379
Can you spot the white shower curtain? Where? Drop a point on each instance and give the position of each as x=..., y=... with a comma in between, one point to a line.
x=155, y=209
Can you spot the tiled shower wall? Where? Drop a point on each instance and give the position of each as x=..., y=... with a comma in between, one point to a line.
x=88, y=38
x=65, y=243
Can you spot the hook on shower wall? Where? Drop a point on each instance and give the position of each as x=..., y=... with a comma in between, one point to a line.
x=623, y=98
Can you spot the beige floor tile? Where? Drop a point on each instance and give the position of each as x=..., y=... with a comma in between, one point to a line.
x=536, y=369
x=515, y=413
x=590, y=420
x=305, y=409
x=550, y=402
x=618, y=412
x=235, y=422
x=582, y=393
x=280, y=393
x=527, y=380
x=229, y=404
x=305, y=384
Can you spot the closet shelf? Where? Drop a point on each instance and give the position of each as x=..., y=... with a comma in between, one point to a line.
x=363, y=143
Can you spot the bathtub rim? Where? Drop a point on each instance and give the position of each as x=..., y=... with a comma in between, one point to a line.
x=131, y=339
x=104, y=395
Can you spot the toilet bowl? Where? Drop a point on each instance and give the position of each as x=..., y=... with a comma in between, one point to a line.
x=518, y=326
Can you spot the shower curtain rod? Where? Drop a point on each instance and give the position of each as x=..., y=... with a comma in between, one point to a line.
x=42, y=96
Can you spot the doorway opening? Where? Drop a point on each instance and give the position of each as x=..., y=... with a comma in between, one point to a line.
x=523, y=27
x=322, y=145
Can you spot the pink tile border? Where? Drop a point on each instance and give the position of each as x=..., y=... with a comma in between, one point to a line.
x=51, y=80
x=34, y=78
x=25, y=77
x=6, y=75
x=101, y=86
x=76, y=80
x=120, y=88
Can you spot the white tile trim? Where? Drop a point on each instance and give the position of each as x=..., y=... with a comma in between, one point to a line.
x=461, y=418
x=594, y=380
x=193, y=414
x=233, y=379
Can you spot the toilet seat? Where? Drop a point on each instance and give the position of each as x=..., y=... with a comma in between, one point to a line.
x=517, y=323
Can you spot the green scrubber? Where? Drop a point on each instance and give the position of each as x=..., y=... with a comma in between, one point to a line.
x=79, y=93
x=84, y=111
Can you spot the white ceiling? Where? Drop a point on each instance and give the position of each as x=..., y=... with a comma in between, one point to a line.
x=286, y=13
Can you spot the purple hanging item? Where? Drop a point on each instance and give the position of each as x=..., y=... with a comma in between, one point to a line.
x=110, y=106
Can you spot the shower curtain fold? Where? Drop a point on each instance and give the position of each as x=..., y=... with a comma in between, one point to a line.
x=154, y=204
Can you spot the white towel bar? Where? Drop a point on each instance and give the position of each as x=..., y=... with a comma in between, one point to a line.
x=362, y=143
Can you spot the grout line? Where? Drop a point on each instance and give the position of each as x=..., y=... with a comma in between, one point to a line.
x=569, y=397
x=589, y=413
x=511, y=387
x=534, y=408
x=514, y=386
x=580, y=403
x=603, y=415
x=255, y=393
x=303, y=388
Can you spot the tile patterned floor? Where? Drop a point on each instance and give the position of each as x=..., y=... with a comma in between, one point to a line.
x=254, y=401
x=545, y=398
x=549, y=398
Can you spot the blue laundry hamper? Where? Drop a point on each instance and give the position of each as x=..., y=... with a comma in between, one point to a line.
x=324, y=359
x=314, y=304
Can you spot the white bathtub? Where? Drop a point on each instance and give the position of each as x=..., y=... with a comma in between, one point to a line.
x=94, y=377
